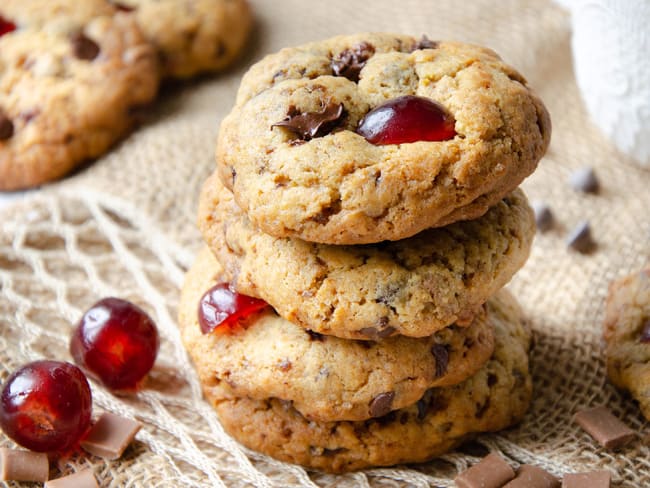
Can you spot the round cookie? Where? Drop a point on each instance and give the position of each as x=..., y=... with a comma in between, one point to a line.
x=412, y=287
x=496, y=397
x=324, y=377
x=627, y=336
x=67, y=93
x=193, y=36
x=319, y=180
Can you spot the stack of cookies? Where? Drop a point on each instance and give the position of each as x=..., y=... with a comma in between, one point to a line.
x=366, y=191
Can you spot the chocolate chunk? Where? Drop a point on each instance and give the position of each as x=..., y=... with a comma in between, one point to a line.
x=81, y=479
x=18, y=465
x=492, y=472
x=315, y=336
x=423, y=404
x=83, y=47
x=350, y=62
x=425, y=43
x=375, y=334
x=580, y=238
x=584, y=180
x=543, y=216
x=645, y=332
x=110, y=436
x=441, y=354
x=533, y=477
x=120, y=6
x=6, y=127
x=608, y=431
x=381, y=404
x=312, y=124
x=593, y=479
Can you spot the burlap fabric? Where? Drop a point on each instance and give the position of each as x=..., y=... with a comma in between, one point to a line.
x=126, y=226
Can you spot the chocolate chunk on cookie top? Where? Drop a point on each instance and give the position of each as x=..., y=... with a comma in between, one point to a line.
x=428, y=133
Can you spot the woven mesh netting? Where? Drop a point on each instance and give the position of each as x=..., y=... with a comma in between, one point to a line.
x=125, y=226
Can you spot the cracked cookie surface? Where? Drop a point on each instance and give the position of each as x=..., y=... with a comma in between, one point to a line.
x=68, y=91
x=496, y=397
x=412, y=287
x=325, y=378
x=627, y=336
x=323, y=182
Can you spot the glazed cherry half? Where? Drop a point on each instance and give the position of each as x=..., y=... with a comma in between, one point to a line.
x=6, y=26
x=116, y=342
x=45, y=406
x=223, y=307
x=407, y=119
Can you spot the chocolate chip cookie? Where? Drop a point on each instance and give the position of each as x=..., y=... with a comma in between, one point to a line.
x=68, y=92
x=192, y=36
x=412, y=287
x=325, y=378
x=371, y=137
x=627, y=336
x=496, y=397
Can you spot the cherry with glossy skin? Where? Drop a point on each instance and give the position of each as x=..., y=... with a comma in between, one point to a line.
x=6, y=26
x=221, y=308
x=45, y=406
x=407, y=119
x=116, y=342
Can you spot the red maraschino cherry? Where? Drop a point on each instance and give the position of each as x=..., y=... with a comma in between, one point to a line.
x=407, y=119
x=6, y=26
x=221, y=308
x=116, y=342
x=45, y=406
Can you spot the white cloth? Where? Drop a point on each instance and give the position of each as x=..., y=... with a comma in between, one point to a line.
x=611, y=52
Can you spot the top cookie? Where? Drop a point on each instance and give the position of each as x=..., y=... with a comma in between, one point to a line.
x=627, y=336
x=69, y=89
x=290, y=151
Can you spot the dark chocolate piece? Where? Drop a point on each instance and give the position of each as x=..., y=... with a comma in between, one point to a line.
x=376, y=334
x=110, y=436
x=308, y=125
x=608, y=431
x=81, y=479
x=381, y=404
x=351, y=61
x=645, y=332
x=543, y=216
x=19, y=465
x=425, y=43
x=83, y=47
x=441, y=354
x=6, y=127
x=529, y=476
x=593, y=479
x=315, y=336
x=580, y=238
x=491, y=472
x=584, y=180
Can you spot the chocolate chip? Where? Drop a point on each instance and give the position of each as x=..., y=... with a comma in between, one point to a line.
x=580, y=238
x=381, y=404
x=6, y=127
x=441, y=354
x=645, y=332
x=83, y=47
x=584, y=180
x=423, y=404
x=315, y=336
x=425, y=43
x=375, y=333
x=308, y=125
x=543, y=216
x=608, y=430
x=120, y=6
x=481, y=408
x=492, y=472
x=350, y=62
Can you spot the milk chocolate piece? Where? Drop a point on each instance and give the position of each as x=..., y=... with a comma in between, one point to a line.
x=592, y=479
x=308, y=125
x=492, y=472
x=584, y=180
x=543, y=216
x=529, y=476
x=110, y=436
x=82, y=479
x=381, y=404
x=18, y=465
x=580, y=238
x=608, y=431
